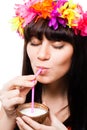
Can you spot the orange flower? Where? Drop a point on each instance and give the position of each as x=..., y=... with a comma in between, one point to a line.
x=44, y=8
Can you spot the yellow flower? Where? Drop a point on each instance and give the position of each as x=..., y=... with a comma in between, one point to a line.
x=71, y=16
x=68, y=12
x=17, y=24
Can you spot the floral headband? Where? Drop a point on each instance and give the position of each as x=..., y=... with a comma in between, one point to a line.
x=58, y=12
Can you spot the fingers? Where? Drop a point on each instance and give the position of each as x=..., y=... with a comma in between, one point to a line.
x=24, y=91
x=27, y=123
x=10, y=94
x=11, y=98
x=31, y=122
x=6, y=96
x=56, y=123
x=22, y=125
x=10, y=104
x=19, y=86
x=35, y=125
x=25, y=81
x=15, y=91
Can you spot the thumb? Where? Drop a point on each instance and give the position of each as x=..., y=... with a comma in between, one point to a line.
x=56, y=123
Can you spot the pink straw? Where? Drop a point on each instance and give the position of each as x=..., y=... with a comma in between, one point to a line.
x=38, y=72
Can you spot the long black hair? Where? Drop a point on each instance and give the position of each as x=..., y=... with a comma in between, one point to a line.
x=77, y=75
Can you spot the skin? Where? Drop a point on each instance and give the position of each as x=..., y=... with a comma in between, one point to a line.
x=53, y=57
x=55, y=60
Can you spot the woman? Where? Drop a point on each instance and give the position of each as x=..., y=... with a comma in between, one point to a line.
x=59, y=48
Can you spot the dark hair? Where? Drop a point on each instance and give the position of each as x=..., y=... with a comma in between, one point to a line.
x=77, y=75
x=37, y=29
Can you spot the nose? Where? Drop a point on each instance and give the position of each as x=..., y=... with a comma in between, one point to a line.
x=44, y=52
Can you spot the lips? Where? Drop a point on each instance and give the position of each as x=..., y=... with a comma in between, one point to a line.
x=43, y=71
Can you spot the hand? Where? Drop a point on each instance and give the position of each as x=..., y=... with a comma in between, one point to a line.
x=26, y=123
x=15, y=91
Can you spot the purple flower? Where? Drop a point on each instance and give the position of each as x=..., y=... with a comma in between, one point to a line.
x=56, y=16
x=53, y=22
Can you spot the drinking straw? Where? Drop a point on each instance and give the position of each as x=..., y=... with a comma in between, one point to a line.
x=32, y=108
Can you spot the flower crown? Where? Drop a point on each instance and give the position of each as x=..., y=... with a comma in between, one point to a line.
x=62, y=12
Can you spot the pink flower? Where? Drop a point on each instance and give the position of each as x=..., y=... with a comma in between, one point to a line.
x=24, y=11
x=82, y=25
x=63, y=12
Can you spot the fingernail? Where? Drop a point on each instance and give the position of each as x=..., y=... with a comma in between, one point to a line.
x=17, y=118
x=18, y=123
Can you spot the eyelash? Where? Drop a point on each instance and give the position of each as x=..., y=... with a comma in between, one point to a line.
x=33, y=44
x=56, y=47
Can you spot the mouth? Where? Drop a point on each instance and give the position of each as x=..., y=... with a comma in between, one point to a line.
x=43, y=69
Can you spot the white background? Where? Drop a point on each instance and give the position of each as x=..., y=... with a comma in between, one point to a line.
x=11, y=45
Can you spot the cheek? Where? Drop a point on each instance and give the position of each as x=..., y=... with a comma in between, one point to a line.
x=31, y=54
x=62, y=61
x=65, y=56
x=65, y=60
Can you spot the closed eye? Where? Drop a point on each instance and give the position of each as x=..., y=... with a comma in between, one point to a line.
x=34, y=44
x=58, y=47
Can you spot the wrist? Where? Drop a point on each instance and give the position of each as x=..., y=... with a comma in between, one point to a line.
x=6, y=121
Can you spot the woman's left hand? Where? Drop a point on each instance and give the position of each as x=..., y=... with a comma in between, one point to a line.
x=26, y=123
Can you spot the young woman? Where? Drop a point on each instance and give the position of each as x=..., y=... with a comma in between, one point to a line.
x=57, y=44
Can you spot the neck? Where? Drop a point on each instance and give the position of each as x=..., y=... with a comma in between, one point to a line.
x=55, y=96
x=57, y=88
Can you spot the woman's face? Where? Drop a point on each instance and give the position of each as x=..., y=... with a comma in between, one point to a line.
x=53, y=57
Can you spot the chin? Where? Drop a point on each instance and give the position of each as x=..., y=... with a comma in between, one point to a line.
x=44, y=80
